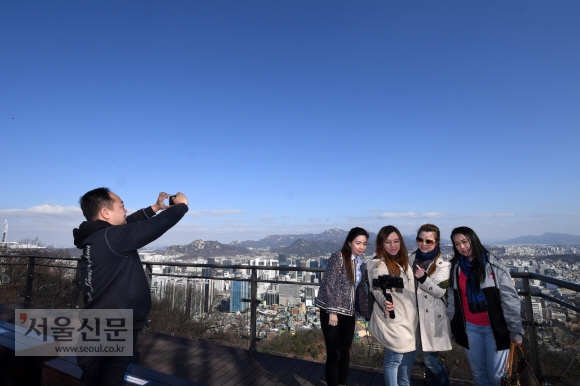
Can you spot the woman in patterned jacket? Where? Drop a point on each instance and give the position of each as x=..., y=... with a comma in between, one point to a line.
x=336, y=299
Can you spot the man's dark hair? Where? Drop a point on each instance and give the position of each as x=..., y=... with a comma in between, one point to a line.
x=93, y=201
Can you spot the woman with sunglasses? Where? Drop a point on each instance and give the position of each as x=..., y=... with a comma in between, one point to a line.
x=484, y=307
x=432, y=276
x=336, y=299
x=394, y=318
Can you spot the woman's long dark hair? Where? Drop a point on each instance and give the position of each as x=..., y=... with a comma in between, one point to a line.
x=435, y=229
x=346, y=251
x=402, y=258
x=477, y=252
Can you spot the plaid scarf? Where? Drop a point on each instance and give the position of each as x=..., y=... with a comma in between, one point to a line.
x=475, y=298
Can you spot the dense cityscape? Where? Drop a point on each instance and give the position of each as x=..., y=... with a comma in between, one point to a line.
x=290, y=307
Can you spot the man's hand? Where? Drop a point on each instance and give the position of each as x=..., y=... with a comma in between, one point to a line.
x=180, y=199
x=160, y=204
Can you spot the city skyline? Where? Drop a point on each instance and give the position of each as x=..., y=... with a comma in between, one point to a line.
x=297, y=117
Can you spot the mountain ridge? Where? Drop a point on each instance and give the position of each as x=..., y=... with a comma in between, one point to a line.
x=546, y=238
x=325, y=243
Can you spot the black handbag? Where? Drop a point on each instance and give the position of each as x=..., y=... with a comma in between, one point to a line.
x=365, y=300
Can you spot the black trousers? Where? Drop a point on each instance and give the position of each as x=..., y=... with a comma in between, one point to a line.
x=109, y=371
x=338, y=340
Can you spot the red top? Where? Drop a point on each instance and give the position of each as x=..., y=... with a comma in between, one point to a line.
x=479, y=319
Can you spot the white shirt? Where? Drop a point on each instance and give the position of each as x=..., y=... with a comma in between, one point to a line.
x=357, y=271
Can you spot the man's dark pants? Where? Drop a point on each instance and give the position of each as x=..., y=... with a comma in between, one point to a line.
x=108, y=371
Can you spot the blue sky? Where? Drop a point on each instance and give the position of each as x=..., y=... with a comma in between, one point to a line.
x=278, y=117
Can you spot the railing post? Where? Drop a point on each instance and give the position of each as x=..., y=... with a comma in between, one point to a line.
x=29, y=280
x=78, y=293
x=253, y=312
x=534, y=357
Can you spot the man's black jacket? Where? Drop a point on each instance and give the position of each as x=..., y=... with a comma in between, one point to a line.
x=112, y=274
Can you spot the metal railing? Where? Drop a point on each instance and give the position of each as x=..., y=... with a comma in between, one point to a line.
x=31, y=265
x=253, y=280
x=527, y=294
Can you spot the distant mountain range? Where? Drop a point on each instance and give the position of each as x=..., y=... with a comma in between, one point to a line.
x=200, y=248
x=546, y=238
x=320, y=244
x=306, y=245
x=309, y=248
x=336, y=236
x=325, y=243
x=278, y=241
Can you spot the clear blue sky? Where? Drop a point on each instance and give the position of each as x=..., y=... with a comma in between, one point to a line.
x=281, y=117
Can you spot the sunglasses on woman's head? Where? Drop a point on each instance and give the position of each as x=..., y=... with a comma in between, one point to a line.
x=421, y=241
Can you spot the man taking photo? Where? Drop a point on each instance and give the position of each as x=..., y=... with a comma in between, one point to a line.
x=112, y=275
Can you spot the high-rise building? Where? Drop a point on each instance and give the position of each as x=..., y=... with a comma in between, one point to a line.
x=289, y=294
x=209, y=296
x=308, y=277
x=309, y=296
x=227, y=262
x=537, y=311
x=282, y=258
x=170, y=269
x=301, y=264
x=272, y=298
x=239, y=290
x=315, y=264
x=197, y=296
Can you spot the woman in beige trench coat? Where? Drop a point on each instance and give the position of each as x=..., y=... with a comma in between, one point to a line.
x=432, y=272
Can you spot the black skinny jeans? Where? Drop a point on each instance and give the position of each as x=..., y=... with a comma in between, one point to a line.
x=338, y=340
x=109, y=371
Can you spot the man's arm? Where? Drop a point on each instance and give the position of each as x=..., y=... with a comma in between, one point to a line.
x=147, y=213
x=126, y=238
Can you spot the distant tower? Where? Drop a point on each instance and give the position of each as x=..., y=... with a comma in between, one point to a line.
x=5, y=230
